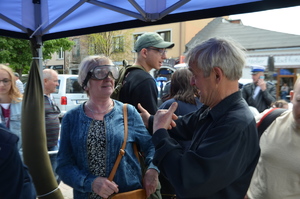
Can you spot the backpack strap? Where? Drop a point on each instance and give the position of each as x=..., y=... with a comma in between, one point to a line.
x=267, y=119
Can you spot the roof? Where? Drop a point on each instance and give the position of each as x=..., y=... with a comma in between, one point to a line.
x=52, y=19
x=249, y=37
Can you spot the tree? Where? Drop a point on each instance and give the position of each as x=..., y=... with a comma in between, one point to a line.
x=17, y=52
x=114, y=44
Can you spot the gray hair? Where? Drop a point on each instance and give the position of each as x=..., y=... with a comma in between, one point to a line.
x=89, y=63
x=219, y=52
x=48, y=73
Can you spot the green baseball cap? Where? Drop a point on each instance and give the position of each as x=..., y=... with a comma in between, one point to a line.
x=151, y=39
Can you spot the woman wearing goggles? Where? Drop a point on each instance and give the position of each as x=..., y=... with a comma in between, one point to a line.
x=90, y=133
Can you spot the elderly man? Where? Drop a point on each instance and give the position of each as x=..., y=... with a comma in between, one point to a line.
x=277, y=174
x=51, y=116
x=219, y=162
x=259, y=94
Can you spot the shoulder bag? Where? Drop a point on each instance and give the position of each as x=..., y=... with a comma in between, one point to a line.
x=135, y=194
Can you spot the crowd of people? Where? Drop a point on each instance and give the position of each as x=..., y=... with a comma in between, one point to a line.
x=202, y=142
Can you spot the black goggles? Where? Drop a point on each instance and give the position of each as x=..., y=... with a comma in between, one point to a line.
x=101, y=72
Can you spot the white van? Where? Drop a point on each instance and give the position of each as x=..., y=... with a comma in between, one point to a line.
x=69, y=93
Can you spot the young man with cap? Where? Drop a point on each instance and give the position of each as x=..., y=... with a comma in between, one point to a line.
x=139, y=86
x=259, y=94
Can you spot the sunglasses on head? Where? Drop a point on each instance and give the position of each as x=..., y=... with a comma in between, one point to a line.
x=101, y=72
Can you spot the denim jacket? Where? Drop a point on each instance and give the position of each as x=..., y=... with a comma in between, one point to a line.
x=15, y=121
x=73, y=166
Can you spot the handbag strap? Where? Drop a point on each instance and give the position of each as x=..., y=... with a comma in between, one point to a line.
x=267, y=119
x=122, y=150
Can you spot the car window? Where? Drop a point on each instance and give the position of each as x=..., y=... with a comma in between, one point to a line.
x=73, y=86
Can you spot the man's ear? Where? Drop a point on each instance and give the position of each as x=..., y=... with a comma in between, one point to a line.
x=218, y=72
x=144, y=52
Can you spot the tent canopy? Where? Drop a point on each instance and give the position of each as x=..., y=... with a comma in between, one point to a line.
x=41, y=20
x=52, y=19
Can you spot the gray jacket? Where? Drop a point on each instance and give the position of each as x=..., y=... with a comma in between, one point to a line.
x=263, y=99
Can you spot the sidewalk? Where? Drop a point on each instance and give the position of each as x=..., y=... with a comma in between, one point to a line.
x=66, y=191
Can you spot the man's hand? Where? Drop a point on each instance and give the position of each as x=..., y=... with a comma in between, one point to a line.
x=262, y=84
x=150, y=181
x=103, y=187
x=144, y=114
x=164, y=118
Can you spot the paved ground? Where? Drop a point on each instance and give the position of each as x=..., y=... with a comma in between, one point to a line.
x=66, y=191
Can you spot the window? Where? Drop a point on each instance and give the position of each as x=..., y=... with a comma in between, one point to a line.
x=118, y=44
x=166, y=35
x=135, y=37
x=60, y=54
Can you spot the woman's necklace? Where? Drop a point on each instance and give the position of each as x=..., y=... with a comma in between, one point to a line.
x=110, y=105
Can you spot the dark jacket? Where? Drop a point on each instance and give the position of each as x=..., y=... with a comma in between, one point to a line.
x=140, y=87
x=263, y=100
x=222, y=156
x=15, y=181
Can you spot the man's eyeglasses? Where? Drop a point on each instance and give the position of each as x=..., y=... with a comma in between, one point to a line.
x=160, y=50
x=5, y=81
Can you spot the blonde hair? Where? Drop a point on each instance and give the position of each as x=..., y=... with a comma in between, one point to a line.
x=14, y=92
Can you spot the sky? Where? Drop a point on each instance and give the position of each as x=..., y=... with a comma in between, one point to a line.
x=281, y=20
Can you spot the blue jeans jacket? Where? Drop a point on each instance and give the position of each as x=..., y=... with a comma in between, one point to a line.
x=73, y=167
x=15, y=122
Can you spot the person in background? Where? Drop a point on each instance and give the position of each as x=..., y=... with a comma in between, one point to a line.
x=139, y=86
x=19, y=84
x=277, y=173
x=223, y=150
x=92, y=135
x=187, y=97
x=259, y=94
x=182, y=92
x=280, y=104
x=284, y=91
x=15, y=180
x=52, y=122
x=11, y=103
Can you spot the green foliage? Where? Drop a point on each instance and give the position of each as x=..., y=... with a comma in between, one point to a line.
x=51, y=46
x=17, y=52
x=114, y=44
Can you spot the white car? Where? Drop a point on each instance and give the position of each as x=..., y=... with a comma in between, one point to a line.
x=69, y=93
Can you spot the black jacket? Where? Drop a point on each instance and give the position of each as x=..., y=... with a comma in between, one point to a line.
x=222, y=156
x=263, y=100
x=140, y=87
x=15, y=181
